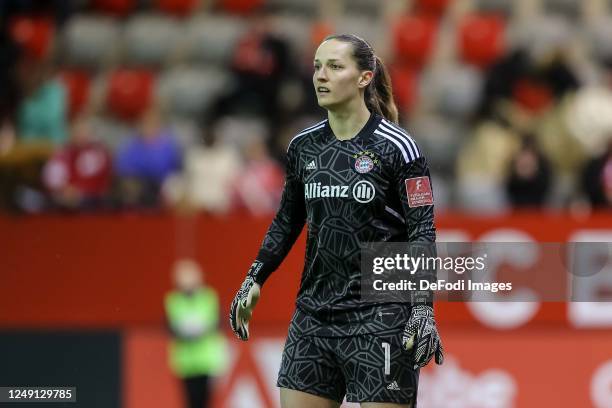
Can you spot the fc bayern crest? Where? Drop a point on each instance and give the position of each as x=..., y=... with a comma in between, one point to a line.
x=364, y=164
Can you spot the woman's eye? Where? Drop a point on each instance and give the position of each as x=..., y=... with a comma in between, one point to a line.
x=334, y=66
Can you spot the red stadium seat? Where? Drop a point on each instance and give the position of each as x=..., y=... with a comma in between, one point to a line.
x=177, y=7
x=414, y=37
x=77, y=84
x=33, y=34
x=119, y=8
x=129, y=92
x=240, y=6
x=405, y=86
x=481, y=39
x=432, y=7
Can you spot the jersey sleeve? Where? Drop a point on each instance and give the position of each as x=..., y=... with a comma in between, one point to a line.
x=285, y=227
x=414, y=188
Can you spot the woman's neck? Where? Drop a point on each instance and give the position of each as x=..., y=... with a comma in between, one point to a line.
x=346, y=123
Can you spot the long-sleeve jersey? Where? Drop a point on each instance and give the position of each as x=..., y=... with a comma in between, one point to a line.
x=374, y=187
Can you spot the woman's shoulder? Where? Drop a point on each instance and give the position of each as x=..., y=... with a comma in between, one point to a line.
x=397, y=137
x=303, y=134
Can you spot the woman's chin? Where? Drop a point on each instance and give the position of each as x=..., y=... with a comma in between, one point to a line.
x=326, y=104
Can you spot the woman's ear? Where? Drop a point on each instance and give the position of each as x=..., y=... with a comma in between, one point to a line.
x=365, y=78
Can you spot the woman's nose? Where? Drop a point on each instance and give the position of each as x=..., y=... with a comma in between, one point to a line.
x=321, y=75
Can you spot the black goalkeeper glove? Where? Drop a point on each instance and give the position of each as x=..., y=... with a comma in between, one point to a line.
x=242, y=306
x=421, y=335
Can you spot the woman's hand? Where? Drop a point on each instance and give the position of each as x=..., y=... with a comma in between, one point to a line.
x=242, y=306
x=421, y=335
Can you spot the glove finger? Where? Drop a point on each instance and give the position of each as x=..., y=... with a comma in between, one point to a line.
x=423, y=356
x=243, y=310
x=246, y=314
x=245, y=331
x=425, y=351
x=241, y=324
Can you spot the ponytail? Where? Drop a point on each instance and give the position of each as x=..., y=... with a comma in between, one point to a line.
x=379, y=93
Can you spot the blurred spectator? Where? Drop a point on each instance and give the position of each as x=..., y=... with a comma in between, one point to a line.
x=554, y=84
x=529, y=178
x=42, y=115
x=260, y=64
x=260, y=186
x=211, y=171
x=597, y=179
x=198, y=349
x=534, y=84
x=20, y=169
x=79, y=174
x=482, y=164
x=145, y=160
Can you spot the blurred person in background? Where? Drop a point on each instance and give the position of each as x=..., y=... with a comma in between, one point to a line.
x=211, y=170
x=42, y=114
x=260, y=63
x=41, y=127
x=145, y=160
x=32, y=116
x=79, y=174
x=533, y=80
x=597, y=179
x=198, y=350
x=21, y=165
x=354, y=178
x=529, y=179
x=482, y=164
x=530, y=90
x=259, y=187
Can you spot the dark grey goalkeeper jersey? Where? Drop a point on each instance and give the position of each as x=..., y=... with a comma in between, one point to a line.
x=372, y=188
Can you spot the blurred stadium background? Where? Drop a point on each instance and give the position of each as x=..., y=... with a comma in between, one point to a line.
x=137, y=132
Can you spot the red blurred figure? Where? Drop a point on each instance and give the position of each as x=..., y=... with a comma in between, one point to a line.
x=130, y=92
x=414, y=38
x=34, y=34
x=79, y=175
x=481, y=39
x=77, y=85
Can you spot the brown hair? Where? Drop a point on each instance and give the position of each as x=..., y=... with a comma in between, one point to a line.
x=379, y=92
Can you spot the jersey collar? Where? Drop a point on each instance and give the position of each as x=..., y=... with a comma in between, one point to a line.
x=365, y=132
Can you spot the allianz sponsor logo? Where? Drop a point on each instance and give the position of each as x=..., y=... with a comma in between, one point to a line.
x=362, y=191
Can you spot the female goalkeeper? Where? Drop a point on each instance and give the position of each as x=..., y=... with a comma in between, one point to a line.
x=354, y=178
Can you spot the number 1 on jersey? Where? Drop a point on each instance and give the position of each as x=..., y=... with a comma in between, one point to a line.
x=387, y=347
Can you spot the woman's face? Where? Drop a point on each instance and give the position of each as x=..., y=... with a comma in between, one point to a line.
x=337, y=79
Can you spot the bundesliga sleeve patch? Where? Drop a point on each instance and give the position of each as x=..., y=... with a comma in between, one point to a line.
x=418, y=190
